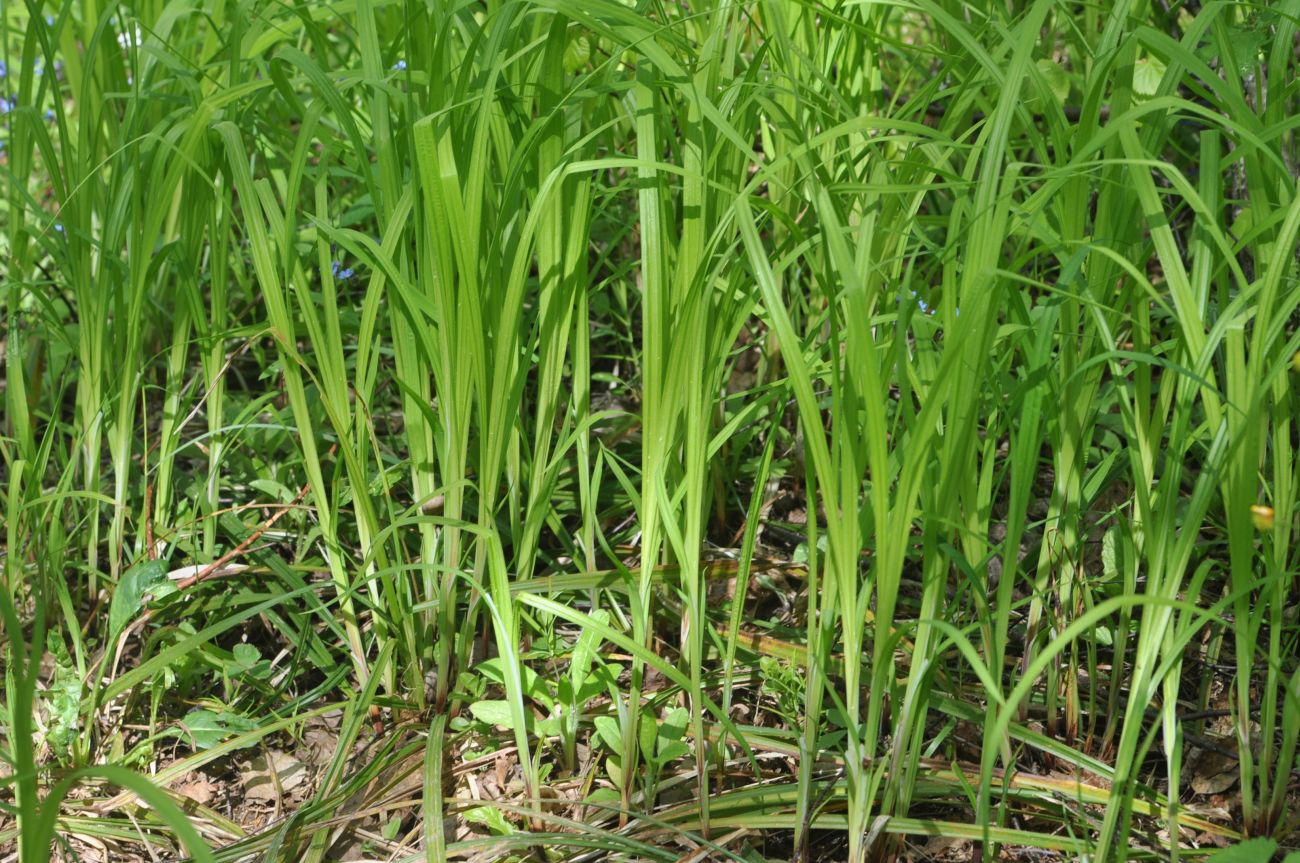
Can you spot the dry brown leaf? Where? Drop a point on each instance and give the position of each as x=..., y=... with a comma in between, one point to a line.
x=260, y=782
x=946, y=848
x=196, y=787
x=319, y=745
x=1214, y=773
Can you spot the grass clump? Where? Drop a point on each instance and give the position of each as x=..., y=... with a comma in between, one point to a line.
x=629, y=430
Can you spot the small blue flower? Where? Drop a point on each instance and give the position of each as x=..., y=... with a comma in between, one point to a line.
x=5, y=105
x=399, y=66
x=49, y=115
x=49, y=19
x=340, y=272
x=4, y=69
x=922, y=304
x=58, y=226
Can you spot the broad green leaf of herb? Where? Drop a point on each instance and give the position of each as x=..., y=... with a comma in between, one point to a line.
x=1244, y=46
x=147, y=578
x=204, y=729
x=63, y=699
x=1147, y=73
x=491, y=818
x=1251, y=851
x=493, y=712
x=1058, y=80
x=671, y=733
x=608, y=731
x=245, y=656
